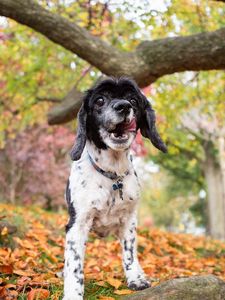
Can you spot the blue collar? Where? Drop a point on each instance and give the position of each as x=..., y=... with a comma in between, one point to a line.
x=118, y=185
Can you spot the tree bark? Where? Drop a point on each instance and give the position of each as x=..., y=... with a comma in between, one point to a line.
x=67, y=109
x=191, y=288
x=216, y=193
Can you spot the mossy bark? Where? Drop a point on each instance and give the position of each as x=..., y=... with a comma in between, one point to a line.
x=192, y=288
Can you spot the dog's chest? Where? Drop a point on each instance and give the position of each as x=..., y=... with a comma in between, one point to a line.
x=95, y=195
x=115, y=206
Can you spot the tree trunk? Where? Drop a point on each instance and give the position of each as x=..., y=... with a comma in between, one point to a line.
x=215, y=193
x=191, y=288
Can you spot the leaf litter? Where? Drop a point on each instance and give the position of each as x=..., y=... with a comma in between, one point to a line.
x=31, y=259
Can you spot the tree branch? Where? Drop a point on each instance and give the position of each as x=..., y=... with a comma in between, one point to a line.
x=67, y=109
x=47, y=99
x=148, y=62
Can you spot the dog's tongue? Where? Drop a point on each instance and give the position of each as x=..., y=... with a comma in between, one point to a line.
x=128, y=126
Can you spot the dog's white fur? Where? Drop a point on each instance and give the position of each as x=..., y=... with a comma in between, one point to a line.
x=95, y=201
x=101, y=209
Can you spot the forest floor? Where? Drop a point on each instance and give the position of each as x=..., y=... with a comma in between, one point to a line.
x=32, y=257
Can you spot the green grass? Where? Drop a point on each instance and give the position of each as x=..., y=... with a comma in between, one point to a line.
x=92, y=292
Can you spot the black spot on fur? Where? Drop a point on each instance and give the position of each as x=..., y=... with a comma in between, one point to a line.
x=71, y=209
x=135, y=173
x=100, y=186
x=77, y=257
x=83, y=183
x=125, y=245
x=131, y=198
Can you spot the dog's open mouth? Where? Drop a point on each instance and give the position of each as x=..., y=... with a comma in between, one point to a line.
x=121, y=133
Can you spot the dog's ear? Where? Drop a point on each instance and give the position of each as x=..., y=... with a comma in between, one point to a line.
x=148, y=128
x=80, y=141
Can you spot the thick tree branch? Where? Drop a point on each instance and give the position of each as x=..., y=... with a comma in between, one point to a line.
x=71, y=36
x=148, y=62
x=67, y=109
x=151, y=60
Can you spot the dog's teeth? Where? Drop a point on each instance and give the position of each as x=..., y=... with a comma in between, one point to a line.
x=122, y=136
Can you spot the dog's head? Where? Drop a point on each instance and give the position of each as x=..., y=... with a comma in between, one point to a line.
x=111, y=113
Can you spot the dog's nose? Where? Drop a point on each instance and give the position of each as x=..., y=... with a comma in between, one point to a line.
x=122, y=106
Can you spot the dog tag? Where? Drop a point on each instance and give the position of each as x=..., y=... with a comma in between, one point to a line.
x=118, y=186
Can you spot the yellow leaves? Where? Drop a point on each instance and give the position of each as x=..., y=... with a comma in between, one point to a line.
x=106, y=298
x=4, y=231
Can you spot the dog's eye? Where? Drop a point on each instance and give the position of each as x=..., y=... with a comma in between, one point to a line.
x=133, y=101
x=100, y=101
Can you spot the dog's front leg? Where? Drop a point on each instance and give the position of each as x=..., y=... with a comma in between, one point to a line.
x=134, y=274
x=76, y=237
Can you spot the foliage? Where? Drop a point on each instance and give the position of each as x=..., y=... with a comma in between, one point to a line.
x=39, y=68
x=187, y=124
x=34, y=167
x=31, y=264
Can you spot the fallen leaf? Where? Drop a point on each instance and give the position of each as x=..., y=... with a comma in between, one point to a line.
x=4, y=231
x=106, y=298
x=123, y=292
x=114, y=282
x=23, y=280
x=23, y=273
x=38, y=294
x=101, y=283
x=6, y=269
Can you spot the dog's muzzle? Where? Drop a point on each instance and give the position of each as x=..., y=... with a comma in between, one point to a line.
x=122, y=107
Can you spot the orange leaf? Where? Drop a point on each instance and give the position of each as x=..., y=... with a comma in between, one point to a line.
x=123, y=292
x=100, y=283
x=114, y=282
x=23, y=273
x=38, y=294
x=6, y=269
x=23, y=280
x=106, y=298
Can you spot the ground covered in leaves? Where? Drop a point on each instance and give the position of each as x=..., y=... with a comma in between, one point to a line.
x=31, y=258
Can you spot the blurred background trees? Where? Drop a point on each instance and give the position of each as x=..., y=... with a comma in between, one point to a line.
x=183, y=190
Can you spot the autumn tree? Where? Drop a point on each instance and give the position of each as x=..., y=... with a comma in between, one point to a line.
x=146, y=62
x=101, y=40
x=34, y=168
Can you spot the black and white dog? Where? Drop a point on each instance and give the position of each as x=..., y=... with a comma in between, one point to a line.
x=102, y=191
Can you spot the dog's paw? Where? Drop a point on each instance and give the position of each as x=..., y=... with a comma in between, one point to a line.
x=138, y=285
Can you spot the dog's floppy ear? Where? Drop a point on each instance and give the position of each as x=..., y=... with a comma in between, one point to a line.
x=147, y=126
x=80, y=141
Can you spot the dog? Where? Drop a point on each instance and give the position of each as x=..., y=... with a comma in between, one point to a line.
x=102, y=191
